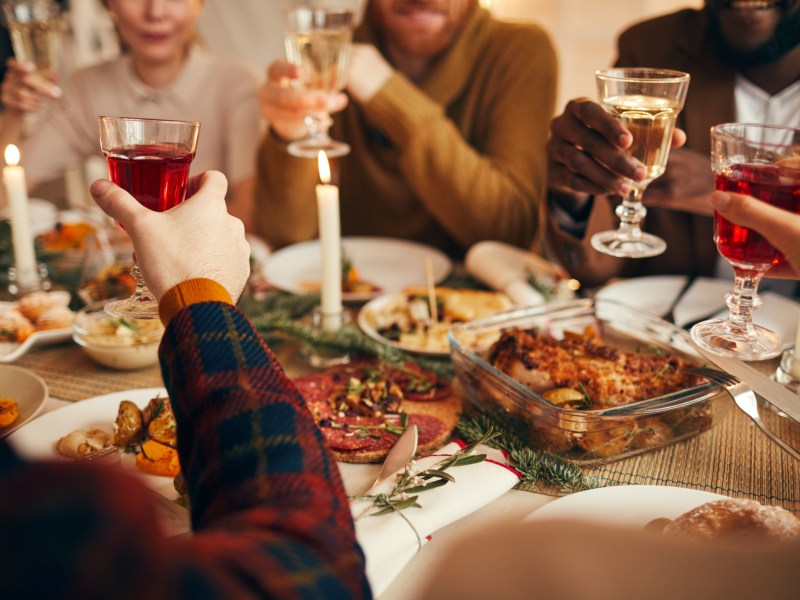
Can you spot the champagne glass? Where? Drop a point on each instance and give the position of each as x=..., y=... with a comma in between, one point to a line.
x=318, y=42
x=35, y=27
x=762, y=161
x=150, y=159
x=647, y=101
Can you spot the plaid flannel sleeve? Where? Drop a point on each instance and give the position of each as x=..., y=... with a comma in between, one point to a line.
x=269, y=512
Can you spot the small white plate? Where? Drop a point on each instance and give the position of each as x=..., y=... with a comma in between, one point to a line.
x=37, y=439
x=368, y=318
x=390, y=264
x=623, y=505
x=11, y=351
x=26, y=389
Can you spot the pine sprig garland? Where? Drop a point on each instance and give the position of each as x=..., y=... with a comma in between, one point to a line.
x=534, y=465
x=280, y=315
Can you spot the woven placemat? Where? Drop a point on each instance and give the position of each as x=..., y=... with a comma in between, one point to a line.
x=71, y=375
x=733, y=458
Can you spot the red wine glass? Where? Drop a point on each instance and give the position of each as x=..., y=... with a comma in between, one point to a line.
x=760, y=161
x=150, y=159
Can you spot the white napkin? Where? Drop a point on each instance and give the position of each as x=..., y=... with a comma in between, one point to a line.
x=389, y=541
x=506, y=268
x=704, y=299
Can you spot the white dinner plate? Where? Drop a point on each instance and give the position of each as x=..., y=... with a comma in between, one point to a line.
x=705, y=298
x=11, y=351
x=37, y=439
x=26, y=389
x=384, y=304
x=623, y=505
x=390, y=264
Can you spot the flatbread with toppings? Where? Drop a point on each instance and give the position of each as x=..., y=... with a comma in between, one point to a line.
x=362, y=408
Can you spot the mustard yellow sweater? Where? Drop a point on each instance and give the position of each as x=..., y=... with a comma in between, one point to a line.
x=451, y=160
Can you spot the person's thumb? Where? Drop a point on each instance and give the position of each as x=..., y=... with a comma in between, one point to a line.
x=115, y=202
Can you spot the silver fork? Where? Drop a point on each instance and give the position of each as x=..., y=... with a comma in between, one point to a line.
x=746, y=400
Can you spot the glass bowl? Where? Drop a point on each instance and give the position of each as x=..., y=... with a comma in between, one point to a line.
x=586, y=436
x=124, y=344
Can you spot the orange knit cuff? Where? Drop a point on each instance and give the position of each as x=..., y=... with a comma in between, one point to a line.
x=191, y=291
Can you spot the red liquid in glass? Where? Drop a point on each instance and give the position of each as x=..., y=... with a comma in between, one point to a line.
x=154, y=174
x=772, y=184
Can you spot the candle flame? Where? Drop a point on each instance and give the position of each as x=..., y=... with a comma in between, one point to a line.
x=324, y=167
x=12, y=155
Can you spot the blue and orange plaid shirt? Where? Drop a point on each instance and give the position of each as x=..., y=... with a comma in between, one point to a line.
x=269, y=512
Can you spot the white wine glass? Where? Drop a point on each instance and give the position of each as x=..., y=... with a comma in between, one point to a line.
x=35, y=30
x=647, y=101
x=150, y=159
x=318, y=42
x=762, y=161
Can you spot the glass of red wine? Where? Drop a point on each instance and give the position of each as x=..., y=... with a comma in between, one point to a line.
x=762, y=161
x=150, y=159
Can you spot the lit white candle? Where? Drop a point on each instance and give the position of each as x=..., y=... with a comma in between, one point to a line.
x=21, y=234
x=794, y=369
x=330, y=247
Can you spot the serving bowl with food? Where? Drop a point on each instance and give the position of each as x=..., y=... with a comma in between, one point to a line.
x=117, y=343
x=591, y=381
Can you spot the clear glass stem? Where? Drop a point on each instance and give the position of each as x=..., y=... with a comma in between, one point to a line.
x=743, y=299
x=318, y=125
x=631, y=213
x=142, y=293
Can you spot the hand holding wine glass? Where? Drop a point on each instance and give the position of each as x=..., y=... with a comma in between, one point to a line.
x=759, y=161
x=647, y=103
x=150, y=159
x=318, y=42
x=196, y=239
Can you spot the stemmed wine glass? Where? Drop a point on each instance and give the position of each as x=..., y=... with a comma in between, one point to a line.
x=150, y=159
x=35, y=28
x=318, y=42
x=762, y=161
x=647, y=101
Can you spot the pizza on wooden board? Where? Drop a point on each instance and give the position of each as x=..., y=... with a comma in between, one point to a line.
x=363, y=407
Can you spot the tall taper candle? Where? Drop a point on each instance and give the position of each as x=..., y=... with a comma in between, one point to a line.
x=22, y=238
x=330, y=246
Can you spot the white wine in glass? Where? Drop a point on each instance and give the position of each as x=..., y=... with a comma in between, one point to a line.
x=35, y=30
x=647, y=103
x=318, y=42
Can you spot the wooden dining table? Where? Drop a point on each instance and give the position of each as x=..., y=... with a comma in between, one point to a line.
x=733, y=458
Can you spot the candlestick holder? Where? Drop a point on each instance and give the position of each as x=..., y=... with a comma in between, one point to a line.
x=319, y=356
x=785, y=374
x=34, y=282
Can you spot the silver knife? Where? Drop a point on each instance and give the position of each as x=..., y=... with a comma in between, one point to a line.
x=773, y=392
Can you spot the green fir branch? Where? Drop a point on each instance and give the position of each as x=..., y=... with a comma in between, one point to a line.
x=534, y=465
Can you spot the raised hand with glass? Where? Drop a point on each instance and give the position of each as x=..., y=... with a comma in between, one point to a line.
x=762, y=161
x=150, y=159
x=647, y=102
x=35, y=29
x=318, y=42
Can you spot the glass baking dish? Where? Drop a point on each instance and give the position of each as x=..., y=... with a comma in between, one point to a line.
x=586, y=436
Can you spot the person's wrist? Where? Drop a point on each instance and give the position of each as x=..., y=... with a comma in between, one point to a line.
x=191, y=291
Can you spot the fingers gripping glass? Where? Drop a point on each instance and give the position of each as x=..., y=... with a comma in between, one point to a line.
x=764, y=162
x=318, y=42
x=150, y=159
x=647, y=102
